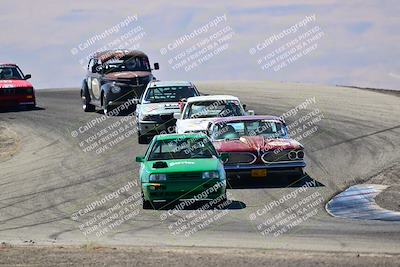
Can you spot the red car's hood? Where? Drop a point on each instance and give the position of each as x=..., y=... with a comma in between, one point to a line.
x=255, y=143
x=14, y=83
x=127, y=74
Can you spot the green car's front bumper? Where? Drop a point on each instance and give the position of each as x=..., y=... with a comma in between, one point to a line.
x=170, y=191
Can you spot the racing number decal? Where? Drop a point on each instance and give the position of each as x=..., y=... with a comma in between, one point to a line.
x=96, y=88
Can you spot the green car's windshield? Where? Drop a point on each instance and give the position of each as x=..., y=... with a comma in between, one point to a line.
x=168, y=94
x=234, y=130
x=189, y=148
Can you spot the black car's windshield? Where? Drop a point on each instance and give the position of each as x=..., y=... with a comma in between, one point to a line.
x=130, y=64
x=237, y=129
x=10, y=73
x=189, y=148
x=211, y=109
x=168, y=94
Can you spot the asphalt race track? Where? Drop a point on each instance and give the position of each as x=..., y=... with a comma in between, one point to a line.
x=52, y=178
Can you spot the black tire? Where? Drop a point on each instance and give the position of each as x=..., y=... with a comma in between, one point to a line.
x=31, y=107
x=131, y=109
x=294, y=177
x=142, y=139
x=300, y=174
x=171, y=204
x=146, y=204
x=224, y=198
x=105, y=105
x=222, y=201
x=86, y=106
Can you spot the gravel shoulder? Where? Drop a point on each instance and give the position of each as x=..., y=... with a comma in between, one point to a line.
x=92, y=255
x=9, y=142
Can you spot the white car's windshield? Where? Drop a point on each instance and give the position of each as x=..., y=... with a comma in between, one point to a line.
x=169, y=94
x=211, y=109
x=237, y=129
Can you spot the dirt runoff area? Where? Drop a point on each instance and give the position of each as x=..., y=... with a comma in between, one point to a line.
x=179, y=256
x=390, y=197
x=9, y=142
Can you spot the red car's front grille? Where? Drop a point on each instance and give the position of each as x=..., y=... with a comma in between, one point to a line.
x=241, y=158
x=16, y=91
x=7, y=92
x=275, y=156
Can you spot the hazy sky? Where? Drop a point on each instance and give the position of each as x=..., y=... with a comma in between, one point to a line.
x=325, y=42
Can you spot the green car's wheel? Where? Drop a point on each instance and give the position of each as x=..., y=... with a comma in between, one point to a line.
x=224, y=198
x=146, y=203
x=222, y=202
x=172, y=204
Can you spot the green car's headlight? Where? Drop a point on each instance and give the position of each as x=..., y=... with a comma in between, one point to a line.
x=211, y=175
x=157, y=177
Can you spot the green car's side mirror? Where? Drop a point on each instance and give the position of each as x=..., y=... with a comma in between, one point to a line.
x=139, y=159
x=224, y=156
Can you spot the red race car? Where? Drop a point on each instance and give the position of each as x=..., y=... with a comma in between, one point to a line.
x=15, y=90
x=257, y=146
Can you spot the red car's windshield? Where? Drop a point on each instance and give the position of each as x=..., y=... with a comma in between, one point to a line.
x=10, y=73
x=237, y=129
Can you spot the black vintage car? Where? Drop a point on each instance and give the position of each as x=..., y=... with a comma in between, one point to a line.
x=115, y=77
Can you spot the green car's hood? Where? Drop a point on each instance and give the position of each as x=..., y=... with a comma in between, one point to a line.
x=184, y=165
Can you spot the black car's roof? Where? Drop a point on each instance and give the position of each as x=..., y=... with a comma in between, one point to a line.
x=107, y=55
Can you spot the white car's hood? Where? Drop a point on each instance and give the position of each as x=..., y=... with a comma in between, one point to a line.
x=193, y=125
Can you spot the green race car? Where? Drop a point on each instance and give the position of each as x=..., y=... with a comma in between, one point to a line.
x=181, y=167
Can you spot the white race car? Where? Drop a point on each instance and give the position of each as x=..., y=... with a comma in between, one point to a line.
x=199, y=111
x=159, y=102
